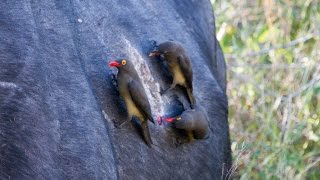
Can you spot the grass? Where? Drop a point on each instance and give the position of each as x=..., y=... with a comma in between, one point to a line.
x=272, y=50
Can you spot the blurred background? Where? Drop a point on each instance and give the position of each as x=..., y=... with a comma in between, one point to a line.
x=272, y=50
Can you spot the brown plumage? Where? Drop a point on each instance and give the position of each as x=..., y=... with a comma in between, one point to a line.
x=194, y=121
x=179, y=66
x=133, y=93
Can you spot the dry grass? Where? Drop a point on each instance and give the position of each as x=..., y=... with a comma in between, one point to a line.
x=272, y=49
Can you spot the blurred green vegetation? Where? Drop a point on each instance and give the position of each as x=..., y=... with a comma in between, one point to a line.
x=272, y=50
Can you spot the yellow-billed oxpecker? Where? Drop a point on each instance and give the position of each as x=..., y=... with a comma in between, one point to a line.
x=134, y=95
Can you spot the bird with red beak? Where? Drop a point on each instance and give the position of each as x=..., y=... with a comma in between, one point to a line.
x=179, y=66
x=132, y=91
x=194, y=121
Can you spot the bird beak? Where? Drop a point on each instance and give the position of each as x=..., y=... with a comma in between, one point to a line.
x=154, y=53
x=169, y=120
x=114, y=63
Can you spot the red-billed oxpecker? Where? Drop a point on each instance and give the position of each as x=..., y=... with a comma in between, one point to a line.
x=194, y=121
x=179, y=66
x=134, y=95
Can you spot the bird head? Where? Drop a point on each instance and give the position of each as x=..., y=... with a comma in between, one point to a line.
x=118, y=63
x=167, y=49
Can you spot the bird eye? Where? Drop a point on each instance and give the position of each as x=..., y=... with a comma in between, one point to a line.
x=123, y=62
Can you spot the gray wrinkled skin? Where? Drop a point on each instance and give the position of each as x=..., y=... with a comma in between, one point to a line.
x=59, y=108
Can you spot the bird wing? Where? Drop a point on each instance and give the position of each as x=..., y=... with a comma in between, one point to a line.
x=186, y=69
x=140, y=99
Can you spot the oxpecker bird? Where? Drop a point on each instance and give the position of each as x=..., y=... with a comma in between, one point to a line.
x=134, y=95
x=194, y=121
x=179, y=66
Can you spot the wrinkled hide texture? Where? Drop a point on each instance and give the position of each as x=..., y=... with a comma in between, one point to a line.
x=60, y=109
